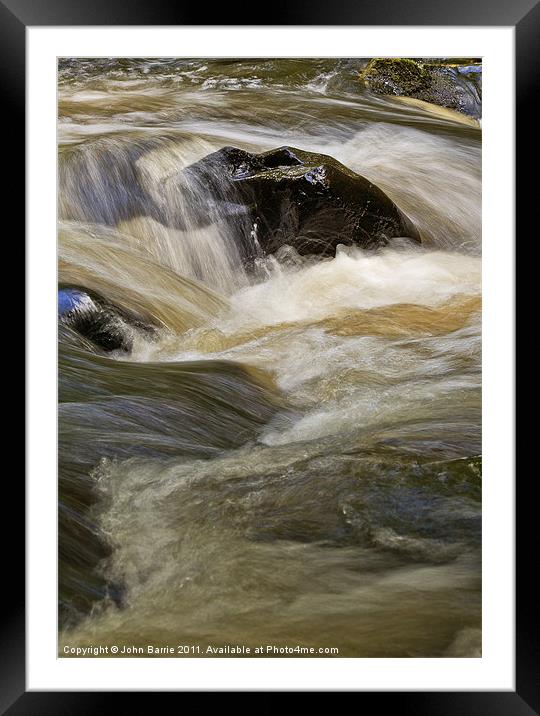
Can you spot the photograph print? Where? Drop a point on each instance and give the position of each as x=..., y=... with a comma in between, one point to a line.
x=269, y=357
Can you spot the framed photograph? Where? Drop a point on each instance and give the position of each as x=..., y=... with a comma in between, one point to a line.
x=270, y=288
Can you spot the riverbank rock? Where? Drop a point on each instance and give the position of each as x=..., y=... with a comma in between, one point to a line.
x=303, y=199
x=457, y=87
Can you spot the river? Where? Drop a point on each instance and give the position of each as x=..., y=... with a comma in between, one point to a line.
x=293, y=456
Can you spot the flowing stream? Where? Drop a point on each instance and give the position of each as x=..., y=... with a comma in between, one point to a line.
x=291, y=455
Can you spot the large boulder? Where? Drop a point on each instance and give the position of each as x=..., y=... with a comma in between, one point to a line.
x=303, y=199
x=455, y=86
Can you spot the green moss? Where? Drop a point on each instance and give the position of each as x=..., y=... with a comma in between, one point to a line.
x=435, y=82
x=399, y=76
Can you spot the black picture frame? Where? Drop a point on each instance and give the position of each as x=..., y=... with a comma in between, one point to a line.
x=15, y=17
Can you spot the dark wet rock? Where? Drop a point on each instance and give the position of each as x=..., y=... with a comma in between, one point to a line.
x=457, y=87
x=97, y=321
x=288, y=196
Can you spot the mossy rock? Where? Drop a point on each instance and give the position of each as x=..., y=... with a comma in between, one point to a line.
x=447, y=85
x=399, y=76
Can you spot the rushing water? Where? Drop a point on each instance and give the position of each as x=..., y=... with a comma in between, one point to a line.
x=291, y=455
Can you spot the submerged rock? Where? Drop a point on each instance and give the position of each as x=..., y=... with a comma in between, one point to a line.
x=437, y=111
x=456, y=87
x=101, y=181
x=113, y=410
x=104, y=325
x=309, y=201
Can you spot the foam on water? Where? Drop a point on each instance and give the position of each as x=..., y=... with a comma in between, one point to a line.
x=354, y=279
